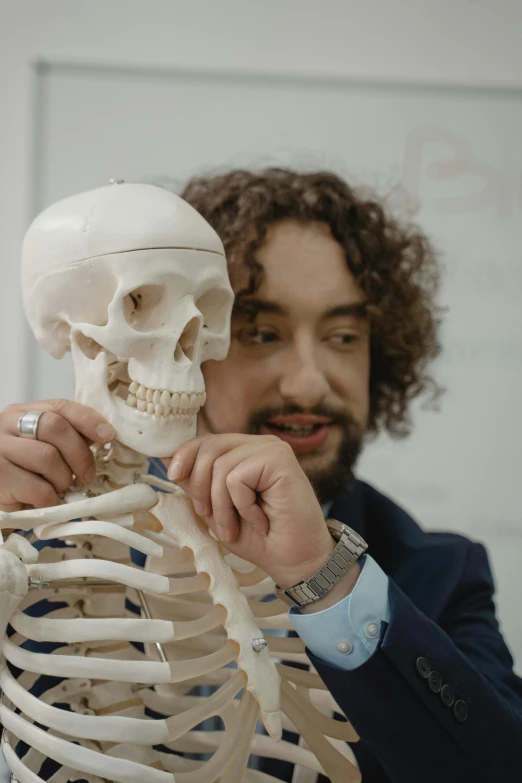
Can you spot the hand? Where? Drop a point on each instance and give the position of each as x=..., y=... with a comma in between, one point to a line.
x=35, y=473
x=253, y=494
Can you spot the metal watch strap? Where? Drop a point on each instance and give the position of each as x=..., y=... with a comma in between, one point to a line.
x=350, y=547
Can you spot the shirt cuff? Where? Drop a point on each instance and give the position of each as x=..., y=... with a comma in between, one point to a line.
x=347, y=634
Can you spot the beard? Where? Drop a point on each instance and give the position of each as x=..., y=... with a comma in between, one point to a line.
x=331, y=479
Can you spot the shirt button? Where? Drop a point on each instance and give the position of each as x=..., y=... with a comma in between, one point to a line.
x=423, y=667
x=447, y=695
x=460, y=710
x=435, y=682
x=372, y=630
x=344, y=647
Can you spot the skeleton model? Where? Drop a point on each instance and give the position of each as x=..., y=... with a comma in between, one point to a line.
x=134, y=282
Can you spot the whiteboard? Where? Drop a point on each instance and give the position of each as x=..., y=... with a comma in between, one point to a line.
x=451, y=155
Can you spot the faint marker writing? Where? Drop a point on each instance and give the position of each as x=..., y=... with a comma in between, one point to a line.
x=486, y=187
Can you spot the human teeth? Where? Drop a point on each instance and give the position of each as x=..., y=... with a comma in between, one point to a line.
x=160, y=402
x=165, y=398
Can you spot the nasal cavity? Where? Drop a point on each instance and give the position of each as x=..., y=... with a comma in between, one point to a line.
x=188, y=342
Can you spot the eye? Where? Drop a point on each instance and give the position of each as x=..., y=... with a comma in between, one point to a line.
x=146, y=307
x=343, y=340
x=253, y=335
x=214, y=306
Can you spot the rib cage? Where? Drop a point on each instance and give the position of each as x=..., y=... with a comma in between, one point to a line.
x=123, y=706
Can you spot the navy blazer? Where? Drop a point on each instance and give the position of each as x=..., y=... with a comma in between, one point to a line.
x=439, y=700
x=442, y=634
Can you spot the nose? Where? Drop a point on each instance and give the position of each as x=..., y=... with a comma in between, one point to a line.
x=303, y=380
x=189, y=340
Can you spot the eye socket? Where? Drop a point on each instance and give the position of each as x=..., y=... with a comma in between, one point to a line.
x=146, y=307
x=214, y=307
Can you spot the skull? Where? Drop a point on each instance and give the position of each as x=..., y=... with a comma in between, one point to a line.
x=133, y=281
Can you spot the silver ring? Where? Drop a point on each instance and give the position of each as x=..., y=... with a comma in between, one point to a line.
x=28, y=424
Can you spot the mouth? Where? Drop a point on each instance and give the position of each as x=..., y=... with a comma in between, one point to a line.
x=302, y=433
x=157, y=403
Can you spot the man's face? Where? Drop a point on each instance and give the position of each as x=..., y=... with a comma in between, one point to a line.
x=299, y=368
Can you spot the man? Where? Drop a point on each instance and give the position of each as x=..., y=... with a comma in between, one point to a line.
x=333, y=329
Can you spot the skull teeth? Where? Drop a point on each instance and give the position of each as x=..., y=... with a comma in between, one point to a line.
x=162, y=403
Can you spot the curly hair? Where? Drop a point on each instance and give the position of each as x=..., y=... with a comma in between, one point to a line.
x=394, y=265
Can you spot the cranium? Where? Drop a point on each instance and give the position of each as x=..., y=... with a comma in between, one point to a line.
x=134, y=282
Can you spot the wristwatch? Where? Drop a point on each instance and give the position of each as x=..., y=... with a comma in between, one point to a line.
x=350, y=547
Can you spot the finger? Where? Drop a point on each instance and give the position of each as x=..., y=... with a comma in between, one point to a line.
x=212, y=452
x=198, y=482
x=246, y=501
x=240, y=466
x=38, y=457
x=185, y=457
x=197, y=459
x=24, y=489
x=182, y=463
x=56, y=430
x=224, y=515
x=85, y=420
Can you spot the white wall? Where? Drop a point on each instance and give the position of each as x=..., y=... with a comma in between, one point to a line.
x=442, y=41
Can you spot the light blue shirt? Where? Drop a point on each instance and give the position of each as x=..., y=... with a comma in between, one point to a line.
x=347, y=634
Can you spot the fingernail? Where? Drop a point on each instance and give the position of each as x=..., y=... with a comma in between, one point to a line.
x=199, y=508
x=106, y=432
x=175, y=470
x=222, y=533
x=90, y=475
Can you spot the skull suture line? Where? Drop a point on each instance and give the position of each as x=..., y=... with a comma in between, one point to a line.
x=134, y=282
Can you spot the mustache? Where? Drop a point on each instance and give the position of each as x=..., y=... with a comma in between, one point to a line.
x=261, y=418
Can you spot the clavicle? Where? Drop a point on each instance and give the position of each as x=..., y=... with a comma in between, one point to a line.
x=201, y=608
